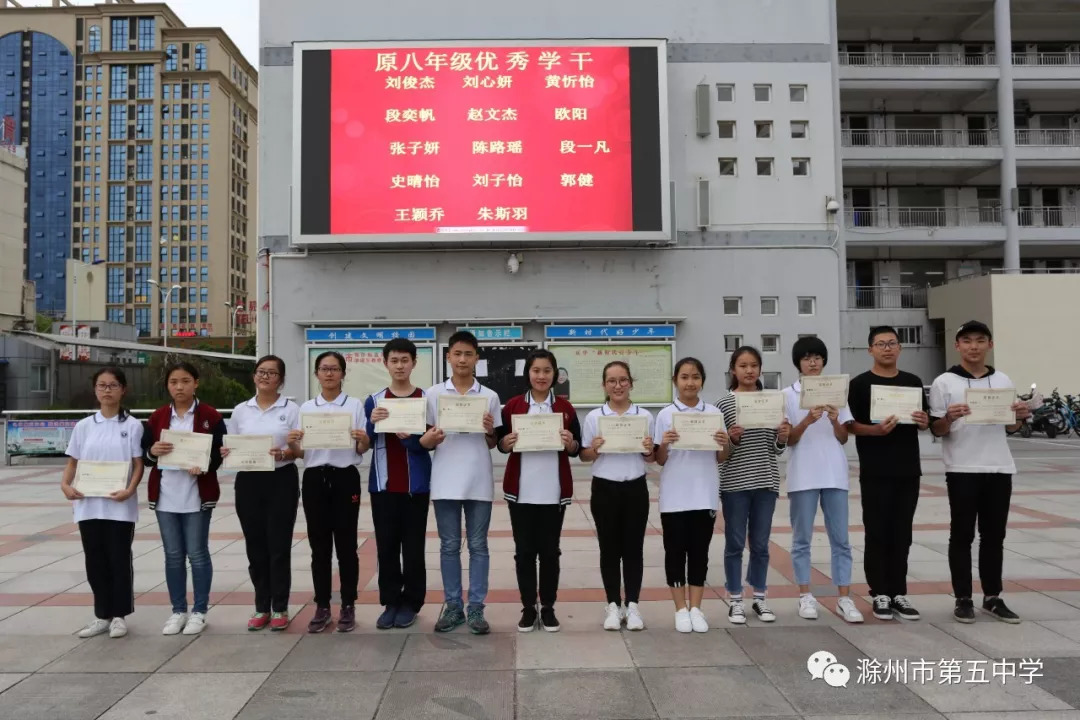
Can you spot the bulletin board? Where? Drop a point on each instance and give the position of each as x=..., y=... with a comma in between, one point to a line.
x=500, y=367
x=364, y=369
x=581, y=366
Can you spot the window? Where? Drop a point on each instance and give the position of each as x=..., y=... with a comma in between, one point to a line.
x=39, y=377
x=909, y=335
x=770, y=305
x=797, y=93
x=762, y=93
x=770, y=343
x=764, y=166
x=143, y=202
x=117, y=162
x=725, y=93
x=117, y=200
x=204, y=273
x=144, y=79
x=95, y=39
x=170, y=60
x=144, y=123
x=732, y=342
x=119, y=78
x=147, y=36
x=142, y=321
x=117, y=121
x=733, y=306
x=763, y=128
x=206, y=90
x=807, y=305
x=142, y=242
x=116, y=243
x=200, y=56
x=728, y=166
x=118, y=34
x=204, y=295
x=771, y=380
x=800, y=167
x=725, y=129
x=799, y=129
x=116, y=284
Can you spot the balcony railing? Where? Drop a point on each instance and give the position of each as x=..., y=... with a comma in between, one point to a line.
x=899, y=217
x=917, y=59
x=1051, y=137
x=920, y=138
x=1049, y=217
x=1047, y=58
x=886, y=298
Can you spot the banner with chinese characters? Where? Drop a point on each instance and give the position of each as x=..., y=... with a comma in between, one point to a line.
x=365, y=372
x=581, y=368
x=455, y=142
x=38, y=437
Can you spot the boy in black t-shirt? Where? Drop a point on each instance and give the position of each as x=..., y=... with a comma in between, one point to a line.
x=889, y=473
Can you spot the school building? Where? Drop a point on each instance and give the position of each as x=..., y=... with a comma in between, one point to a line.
x=783, y=169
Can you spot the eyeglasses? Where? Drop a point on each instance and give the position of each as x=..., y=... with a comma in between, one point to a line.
x=619, y=382
x=890, y=345
x=270, y=373
x=329, y=369
x=109, y=387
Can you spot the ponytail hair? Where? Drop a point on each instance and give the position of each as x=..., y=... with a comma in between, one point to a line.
x=739, y=352
x=121, y=380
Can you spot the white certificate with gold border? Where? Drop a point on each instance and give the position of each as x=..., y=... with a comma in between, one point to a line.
x=249, y=453
x=407, y=415
x=622, y=433
x=101, y=478
x=888, y=400
x=190, y=450
x=762, y=409
x=537, y=433
x=327, y=431
x=990, y=406
x=696, y=430
x=821, y=390
x=462, y=413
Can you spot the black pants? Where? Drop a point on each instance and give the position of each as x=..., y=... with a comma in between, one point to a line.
x=621, y=512
x=266, y=505
x=977, y=499
x=888, y=507
x=109, y=570
x=400, y=531
x=332, y=508
x=536, y=536
x=687, y=536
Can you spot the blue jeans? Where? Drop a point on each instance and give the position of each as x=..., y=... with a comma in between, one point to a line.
x=448, y=519
x=187, y=536
x=753, y=508
x=834, y=505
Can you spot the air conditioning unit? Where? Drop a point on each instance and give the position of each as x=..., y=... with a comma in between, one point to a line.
x=704, y=204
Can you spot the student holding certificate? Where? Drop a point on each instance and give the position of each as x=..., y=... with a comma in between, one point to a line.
x=266, y=499
x=106, y=522
x=620, y=495
x=889, y=409
x=978, y=468
x=184, y=497
x=461, y=486
x=399, y=484
x=817, y=474
x=749, y=486
x=538, y=487
x=331, y=494
x=689, y=496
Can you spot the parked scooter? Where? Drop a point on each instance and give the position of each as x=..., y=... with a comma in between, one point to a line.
x=1045, y=417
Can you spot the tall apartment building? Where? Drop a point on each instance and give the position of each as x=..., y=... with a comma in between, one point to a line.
x=140, y=136
x=12, y=194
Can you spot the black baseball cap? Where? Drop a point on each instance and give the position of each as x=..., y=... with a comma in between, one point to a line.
x=974, y=327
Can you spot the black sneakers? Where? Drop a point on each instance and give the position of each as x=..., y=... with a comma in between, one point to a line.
x=903, y=607
x=548, y=619
x=528, y=619
x=964, y=611
x=883, y=607
x=996, y=606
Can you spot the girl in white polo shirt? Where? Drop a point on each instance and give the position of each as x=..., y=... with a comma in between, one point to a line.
x=817, y=473
x=107, y=524
x=620, y=499
x=689, y=497
x=266, y=500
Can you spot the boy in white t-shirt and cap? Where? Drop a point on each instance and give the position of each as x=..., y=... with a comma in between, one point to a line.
x=978, y=472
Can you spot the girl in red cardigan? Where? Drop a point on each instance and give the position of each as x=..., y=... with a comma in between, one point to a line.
x=538, y=487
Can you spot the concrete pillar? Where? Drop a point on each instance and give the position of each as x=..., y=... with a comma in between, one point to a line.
x=838, y=217
x=1007, y=134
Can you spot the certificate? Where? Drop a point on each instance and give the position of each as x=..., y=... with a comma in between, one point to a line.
x=888, y=400
x=101, y=478
x=819, y=390
x=190, y=450
x=762, y=409
x=407, y=415
x=990, y=406
x=462, y=413
x=537, y=432
x=327, y=431
x=696, y=430
x=249, y=453
x=622, y=433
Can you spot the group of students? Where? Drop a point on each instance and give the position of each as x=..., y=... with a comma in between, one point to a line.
x=452, y=472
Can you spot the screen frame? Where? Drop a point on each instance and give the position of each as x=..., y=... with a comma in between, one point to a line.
x=484, y=239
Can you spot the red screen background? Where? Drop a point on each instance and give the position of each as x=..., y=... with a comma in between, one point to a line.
x=367, y=86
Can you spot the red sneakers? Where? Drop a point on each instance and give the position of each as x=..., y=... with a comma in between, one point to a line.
x=258, y=621
x=279, y=621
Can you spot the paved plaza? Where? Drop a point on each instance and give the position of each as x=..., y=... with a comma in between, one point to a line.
x=754, y=671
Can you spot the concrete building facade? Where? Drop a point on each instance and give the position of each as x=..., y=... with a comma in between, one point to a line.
x=12, y=270
x=140, y=135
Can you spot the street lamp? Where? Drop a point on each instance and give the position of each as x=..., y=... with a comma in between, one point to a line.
x=165, y=298
x=232, y=321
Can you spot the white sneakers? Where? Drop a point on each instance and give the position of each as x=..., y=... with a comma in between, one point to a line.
x=845, y=608
x=682, y=621
x=698, y=621
x=117, y=628
x=634, y=621
x=97, y=627
x=174, y=624
x=195, y=624
x=807, y=607
x=612, y=617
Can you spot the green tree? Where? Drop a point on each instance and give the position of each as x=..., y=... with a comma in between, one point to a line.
x=43, y=323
